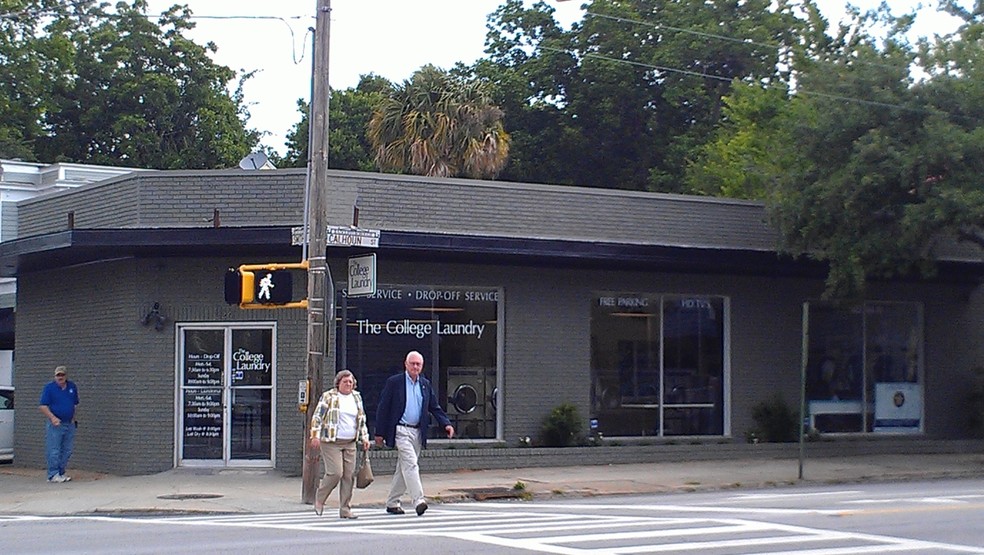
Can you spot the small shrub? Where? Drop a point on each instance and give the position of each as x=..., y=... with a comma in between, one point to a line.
x=562, y=427
x=775, y=421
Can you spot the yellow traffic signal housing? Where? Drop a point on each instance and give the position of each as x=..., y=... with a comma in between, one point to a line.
x=247, y=286
x=273, y=288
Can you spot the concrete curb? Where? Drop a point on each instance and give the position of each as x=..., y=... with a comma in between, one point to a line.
x=250, y=491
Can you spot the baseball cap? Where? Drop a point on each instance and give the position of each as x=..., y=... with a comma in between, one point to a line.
x=60, y=371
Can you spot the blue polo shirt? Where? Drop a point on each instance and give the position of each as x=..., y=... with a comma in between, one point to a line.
x=60, y=401
x=415, y=399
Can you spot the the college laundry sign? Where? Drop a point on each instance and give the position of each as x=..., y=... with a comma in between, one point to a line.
x=419, y=329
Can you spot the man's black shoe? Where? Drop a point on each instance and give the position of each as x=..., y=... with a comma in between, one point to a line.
x=395, y=510
x=421, y=508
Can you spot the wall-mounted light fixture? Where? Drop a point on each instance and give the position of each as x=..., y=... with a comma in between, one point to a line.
x=634, y=314
x=155, y=318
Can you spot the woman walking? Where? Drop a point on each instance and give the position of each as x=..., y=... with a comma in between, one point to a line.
x=337, y=428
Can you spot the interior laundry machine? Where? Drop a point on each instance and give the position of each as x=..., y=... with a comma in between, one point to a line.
x=468, y=401
x=491, y=402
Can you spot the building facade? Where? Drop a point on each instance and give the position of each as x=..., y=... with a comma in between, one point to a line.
x=20, y=181
x=662, y=317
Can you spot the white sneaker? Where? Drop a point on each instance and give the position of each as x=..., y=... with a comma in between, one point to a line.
x=66, y=478
x=57, y=479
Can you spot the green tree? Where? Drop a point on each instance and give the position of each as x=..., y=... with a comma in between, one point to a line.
x=439, y=125
x=349, y=112
x=630, y=93
x=885, y=168
x=144, y=95
x=85, y=83
x=751, y=144
x=35, y=55
x=530, y=66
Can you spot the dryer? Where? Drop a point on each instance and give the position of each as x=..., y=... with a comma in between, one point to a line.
x=491, y=402
x=467, y=400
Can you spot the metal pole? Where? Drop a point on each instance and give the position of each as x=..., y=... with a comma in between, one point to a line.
x=804, y=358
x=317, y=238
x=307, y=175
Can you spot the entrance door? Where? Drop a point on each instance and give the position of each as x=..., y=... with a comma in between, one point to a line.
x=226, y=392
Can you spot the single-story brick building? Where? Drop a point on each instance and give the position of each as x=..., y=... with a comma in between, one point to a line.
x=656, y=316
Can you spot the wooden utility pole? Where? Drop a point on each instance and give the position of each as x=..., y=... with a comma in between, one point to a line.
x=317, y=216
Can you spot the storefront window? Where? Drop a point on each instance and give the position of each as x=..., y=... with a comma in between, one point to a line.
x=657, y=364
x=863, y=367
x=455, y=329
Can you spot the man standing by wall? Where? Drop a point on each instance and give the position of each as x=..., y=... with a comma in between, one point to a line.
x=402, y=419
x=58, y=400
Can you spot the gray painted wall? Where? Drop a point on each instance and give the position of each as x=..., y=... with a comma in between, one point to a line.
x=88, y=316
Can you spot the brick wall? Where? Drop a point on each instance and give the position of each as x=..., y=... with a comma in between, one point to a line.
x=88, y=317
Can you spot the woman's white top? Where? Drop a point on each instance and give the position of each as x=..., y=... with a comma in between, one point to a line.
x=347, y=411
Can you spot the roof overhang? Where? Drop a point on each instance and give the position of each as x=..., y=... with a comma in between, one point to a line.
x=83, y=246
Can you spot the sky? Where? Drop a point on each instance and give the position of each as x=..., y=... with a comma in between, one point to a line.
x=390, y=38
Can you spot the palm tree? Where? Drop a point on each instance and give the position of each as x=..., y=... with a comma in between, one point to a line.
x=440, y=126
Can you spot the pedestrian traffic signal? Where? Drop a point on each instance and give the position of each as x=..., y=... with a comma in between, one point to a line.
x=263, y=285
x=273, y=287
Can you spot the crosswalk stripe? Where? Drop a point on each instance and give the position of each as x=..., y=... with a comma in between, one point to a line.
x=577, y=533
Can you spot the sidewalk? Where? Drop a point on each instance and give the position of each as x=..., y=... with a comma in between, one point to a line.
x=184, y=490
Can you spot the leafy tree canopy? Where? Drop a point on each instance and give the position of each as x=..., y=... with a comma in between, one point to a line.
x=624, y=97
x=349, y=112
x=861, y=164
x=111, y=87
x=34, y=56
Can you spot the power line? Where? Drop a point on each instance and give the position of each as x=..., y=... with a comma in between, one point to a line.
x=34, y=14
x=693, y=73
x=729, y=79
x=293, y=37
x=642, y=64
x=778, y=48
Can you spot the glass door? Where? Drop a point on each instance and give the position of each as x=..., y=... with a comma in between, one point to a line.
x=226, y=415
x=251, y=389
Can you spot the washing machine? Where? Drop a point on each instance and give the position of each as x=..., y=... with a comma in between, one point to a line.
x=467, y=400
x=491, y=402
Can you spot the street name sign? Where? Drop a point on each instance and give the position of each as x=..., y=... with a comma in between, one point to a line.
x=346, y=236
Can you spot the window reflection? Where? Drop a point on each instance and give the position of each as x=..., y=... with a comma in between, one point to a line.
x=454, y=328
x=657, y=364
x=863, y=367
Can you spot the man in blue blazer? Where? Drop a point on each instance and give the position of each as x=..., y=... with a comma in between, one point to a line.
x=402, y=419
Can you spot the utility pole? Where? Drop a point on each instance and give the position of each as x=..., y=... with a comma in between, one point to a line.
x=317, y=232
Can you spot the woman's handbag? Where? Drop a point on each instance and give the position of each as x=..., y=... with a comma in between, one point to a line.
x=363, y=474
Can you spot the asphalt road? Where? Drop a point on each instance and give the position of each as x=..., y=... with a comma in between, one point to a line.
x=908, y=517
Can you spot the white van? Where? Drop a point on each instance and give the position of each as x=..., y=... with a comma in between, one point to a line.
x=6, y=423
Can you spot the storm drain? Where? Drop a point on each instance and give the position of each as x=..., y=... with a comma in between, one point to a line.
x=485, y=494
x=179, y=496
